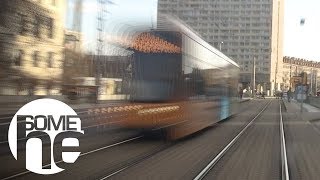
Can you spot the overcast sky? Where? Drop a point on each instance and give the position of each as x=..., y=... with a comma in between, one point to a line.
x=302, y=40
x=299, y=40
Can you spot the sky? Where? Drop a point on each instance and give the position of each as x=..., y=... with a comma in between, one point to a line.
x=299, y=40
x=121, y=15
x=302, y=40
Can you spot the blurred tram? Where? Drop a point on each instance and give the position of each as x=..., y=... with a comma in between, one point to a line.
x=178, y=83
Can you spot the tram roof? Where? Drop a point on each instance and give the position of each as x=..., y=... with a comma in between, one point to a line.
x=170, y=23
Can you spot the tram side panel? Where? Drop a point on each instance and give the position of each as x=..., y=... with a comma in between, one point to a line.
x=205, y=89
x=182, y=92
x=233, y=93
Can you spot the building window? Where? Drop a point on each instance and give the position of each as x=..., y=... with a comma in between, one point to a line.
x=22, y=23
x=18, y=57
x=50, y=28
x=36, y=58
x=50, y=59
x=36, y=28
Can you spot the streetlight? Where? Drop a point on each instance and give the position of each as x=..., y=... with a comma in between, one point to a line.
x=311, y=81
x=221, y=44
x=253, y=80
x=316, y=83
x=290, y=73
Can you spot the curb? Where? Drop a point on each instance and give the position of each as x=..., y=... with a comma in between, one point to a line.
x=245, y=100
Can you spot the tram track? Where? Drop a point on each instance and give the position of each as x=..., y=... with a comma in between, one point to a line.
x=302, y=142
x=214, y=161
x=123, y=169
x=81, y=155
x=115, y=167
x=284, y=159
x=121, y=165
x=254, y=143
x=136, y=161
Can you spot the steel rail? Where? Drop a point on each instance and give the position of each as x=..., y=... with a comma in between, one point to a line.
x=214, y=161
x=82, y=154
x=137, y=161
x=284, y=160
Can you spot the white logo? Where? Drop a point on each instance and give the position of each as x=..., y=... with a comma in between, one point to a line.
x=45, y=121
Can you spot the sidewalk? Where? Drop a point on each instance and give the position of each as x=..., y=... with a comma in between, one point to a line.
x=306, y=107
x=302, y=139
x=309, y=112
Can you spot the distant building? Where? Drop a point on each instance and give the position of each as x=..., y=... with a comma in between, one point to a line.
x=73, y=40
x=242, y=29
x=80, y=70
x=31, y=46
x=295, y=66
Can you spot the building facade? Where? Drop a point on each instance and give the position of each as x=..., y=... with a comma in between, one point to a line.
x=293, y=67
x=246, y=30
x=31, y=46
x=73, y=40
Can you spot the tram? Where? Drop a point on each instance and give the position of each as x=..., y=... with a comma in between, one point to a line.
x=181, y=83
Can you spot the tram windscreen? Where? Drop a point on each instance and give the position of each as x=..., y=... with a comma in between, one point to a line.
x=156, y=71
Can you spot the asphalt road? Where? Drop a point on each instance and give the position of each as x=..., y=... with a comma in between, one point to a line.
x=87, y=143
x=188, y=156
x=255, y=156
x=303, y=143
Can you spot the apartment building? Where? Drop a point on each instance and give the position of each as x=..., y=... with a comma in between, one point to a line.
x=248, y=31
x=31, y=46
x=293, y=67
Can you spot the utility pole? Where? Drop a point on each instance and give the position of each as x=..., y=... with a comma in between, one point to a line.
x=290, y=74
x=311, y=82
x=316, y=83
x=100, y=43
x=276, y=72
x=254, y=77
